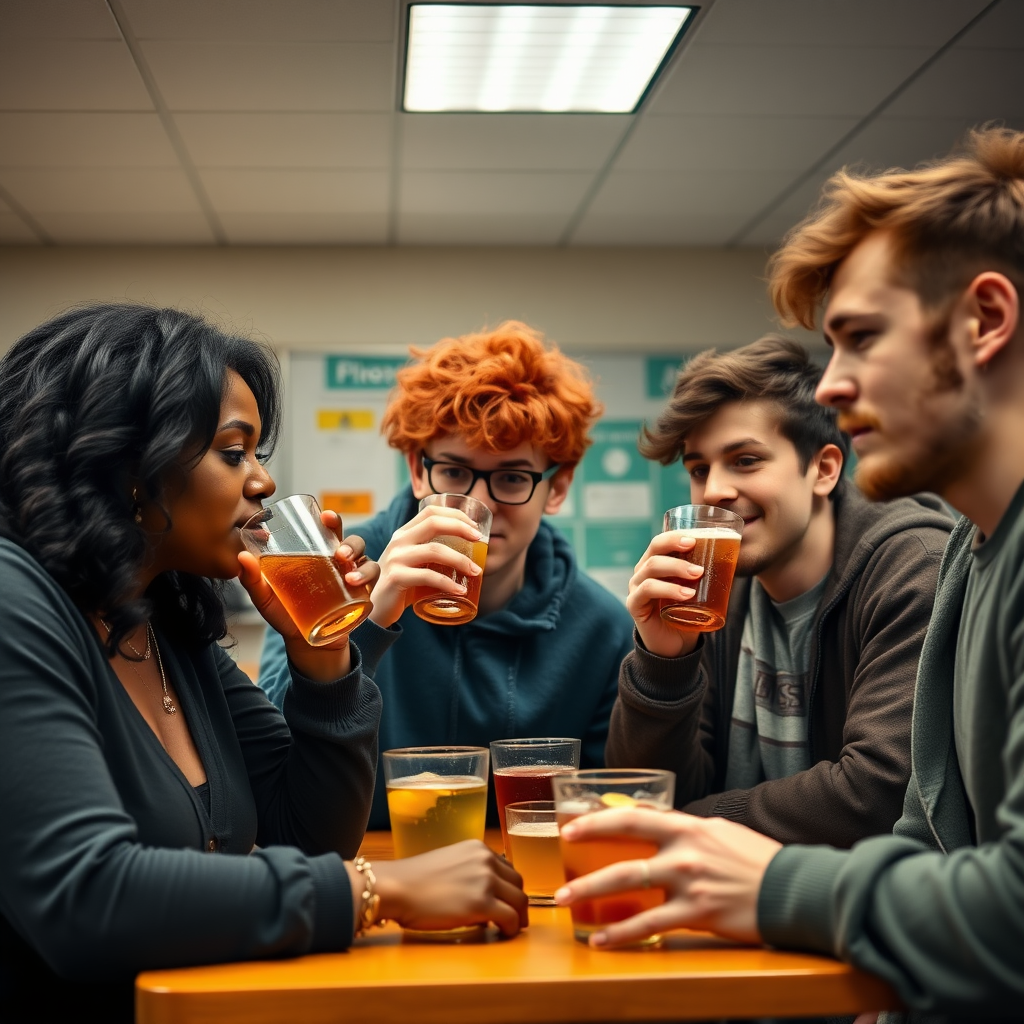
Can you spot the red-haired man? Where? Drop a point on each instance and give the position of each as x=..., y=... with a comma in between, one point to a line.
x=922, y=274
x=503, y=417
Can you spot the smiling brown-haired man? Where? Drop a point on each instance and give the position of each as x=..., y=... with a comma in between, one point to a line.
x=793, y=719
x=922, y=274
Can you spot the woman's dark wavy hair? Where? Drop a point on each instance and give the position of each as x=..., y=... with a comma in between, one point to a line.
x=95, y=404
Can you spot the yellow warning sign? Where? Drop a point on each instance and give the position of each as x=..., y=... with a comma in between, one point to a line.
x=344, y=419
x=347, y=503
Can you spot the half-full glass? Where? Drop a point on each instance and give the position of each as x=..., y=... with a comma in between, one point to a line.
x=435, y=605
x=523, y=770
x=436, y=796
x=532, y=848
x=592, y=791
x=296, y=553
x=717, y=532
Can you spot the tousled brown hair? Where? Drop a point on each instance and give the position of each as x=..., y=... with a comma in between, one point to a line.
x=949, y=220
x=773, y=369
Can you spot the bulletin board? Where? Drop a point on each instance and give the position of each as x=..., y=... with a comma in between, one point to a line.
x=333, y=449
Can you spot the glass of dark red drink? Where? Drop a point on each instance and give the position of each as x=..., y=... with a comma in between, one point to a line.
x=523, y=770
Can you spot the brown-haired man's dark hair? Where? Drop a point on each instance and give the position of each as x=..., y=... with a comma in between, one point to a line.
x=772, y=369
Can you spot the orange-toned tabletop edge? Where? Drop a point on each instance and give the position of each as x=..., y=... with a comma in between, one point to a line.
x=542, y=975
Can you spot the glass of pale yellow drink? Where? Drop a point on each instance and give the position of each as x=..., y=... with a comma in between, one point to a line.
x=436, y=796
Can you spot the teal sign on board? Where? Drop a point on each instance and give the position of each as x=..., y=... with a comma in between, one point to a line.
x=661, y=373
x=362, y=373
x=613, y=457
x=615, y=546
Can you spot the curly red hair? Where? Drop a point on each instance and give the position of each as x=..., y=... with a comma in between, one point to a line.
x=496, y=390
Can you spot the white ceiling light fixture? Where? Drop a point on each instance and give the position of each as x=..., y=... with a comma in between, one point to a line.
x=551, y=58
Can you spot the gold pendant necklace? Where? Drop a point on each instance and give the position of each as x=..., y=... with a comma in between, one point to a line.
x=151, y=645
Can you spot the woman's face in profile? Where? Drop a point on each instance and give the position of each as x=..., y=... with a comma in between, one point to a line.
x=227, y=486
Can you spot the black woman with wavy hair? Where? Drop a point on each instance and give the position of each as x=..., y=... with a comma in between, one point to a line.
x=156, y=809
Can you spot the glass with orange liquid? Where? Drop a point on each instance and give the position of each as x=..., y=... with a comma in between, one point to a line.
x=590, y=792
x=438, y=606
x=523, y=770
x=717, y=533
x=296, y=553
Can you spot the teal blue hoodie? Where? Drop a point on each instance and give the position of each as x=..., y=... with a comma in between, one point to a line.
x=546, y=664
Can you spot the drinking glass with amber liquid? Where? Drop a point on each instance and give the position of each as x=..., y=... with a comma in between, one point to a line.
x=532, y=848
x=438, y=606
x=717, y=533
x=297, y=559
x=436, y=796
x=592, y=791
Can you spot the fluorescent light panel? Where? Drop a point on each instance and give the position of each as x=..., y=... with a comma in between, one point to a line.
x=526, y=57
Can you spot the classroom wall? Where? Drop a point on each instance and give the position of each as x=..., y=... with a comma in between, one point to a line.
x=319, y=299
x=619, y=302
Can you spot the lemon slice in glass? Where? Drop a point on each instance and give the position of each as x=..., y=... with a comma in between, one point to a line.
x=617, y=800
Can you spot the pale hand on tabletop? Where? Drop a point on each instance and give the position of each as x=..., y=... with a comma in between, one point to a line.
x=321, y=664
x=658, y=577
x=412, y=546
x=711, y=870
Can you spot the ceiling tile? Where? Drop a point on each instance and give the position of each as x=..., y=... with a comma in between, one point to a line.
x=305, y=228
x=287, y=140
x=13, y=230
x=491, y=193
x=127, y=228
x=58, y=19
x=769, y=232
x=351, y=21
x=43, y=139
x=980, y=84
x=681, y=208
x=784, y=23
x=100, y=191
x=724, y=143
x=785, y=80
x=906, y=141
x=58, y=74
x=509, y=141
x=479, y=229
x=269, y=77
x=1002, y=28
x=691, y=229
x=296, y=192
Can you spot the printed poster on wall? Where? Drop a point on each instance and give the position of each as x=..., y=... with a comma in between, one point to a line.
x=334, y=450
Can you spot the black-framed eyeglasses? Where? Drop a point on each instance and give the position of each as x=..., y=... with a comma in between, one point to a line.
x=505, y=486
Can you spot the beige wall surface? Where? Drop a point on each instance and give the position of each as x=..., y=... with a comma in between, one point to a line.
x=586, y=300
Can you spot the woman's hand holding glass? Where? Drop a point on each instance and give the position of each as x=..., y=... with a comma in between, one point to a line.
x=403, y=563
x=711, y=871
x=321, y=664
x=663, y=574
x=453, y=886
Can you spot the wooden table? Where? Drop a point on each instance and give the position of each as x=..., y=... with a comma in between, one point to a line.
x=543, y=975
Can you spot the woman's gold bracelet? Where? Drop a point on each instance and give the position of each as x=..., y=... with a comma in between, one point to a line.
x=369, y=906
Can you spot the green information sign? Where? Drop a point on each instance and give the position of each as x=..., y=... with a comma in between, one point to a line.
x=661, y=374
x=362, y=373
x=613, y=457
x=615, y=546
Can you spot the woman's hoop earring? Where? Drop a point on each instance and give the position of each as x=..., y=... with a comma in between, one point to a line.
x=136, y=507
